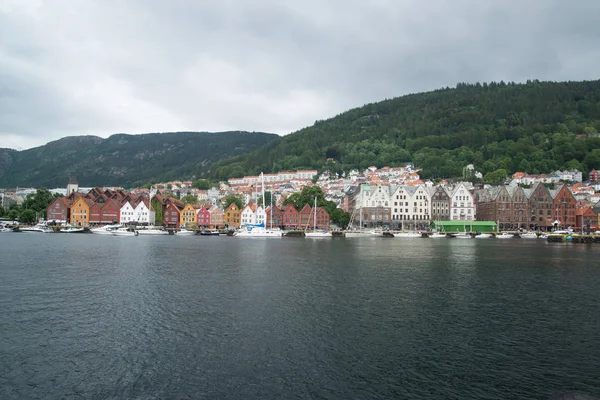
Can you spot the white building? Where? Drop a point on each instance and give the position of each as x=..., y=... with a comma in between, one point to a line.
x=261, y=215
x=126, y=213
x=248, y=215
x=462, y=204
x=143, y=214
x=411, y=206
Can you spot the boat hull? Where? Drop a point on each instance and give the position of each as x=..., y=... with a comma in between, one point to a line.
x=316, y=235
x=152, y=232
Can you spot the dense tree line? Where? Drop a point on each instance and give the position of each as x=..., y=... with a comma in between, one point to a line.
x=308, y=195
x=535, y=127
x=32, y=209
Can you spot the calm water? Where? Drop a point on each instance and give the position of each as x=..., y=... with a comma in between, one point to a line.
x=86, y=316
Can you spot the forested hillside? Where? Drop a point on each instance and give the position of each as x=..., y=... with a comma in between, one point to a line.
x=534, y=127
x=123, y=160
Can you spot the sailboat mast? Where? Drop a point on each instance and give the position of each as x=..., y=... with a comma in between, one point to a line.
x=262, y=175
x=271, y=207
x=315, y=216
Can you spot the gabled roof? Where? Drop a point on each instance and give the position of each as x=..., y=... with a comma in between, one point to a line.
x=112, y=202
x=306, y=209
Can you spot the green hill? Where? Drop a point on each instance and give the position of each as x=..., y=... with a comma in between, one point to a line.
x=123, y=160
x=534, y=127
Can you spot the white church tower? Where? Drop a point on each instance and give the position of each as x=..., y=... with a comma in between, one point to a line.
x=72, y=186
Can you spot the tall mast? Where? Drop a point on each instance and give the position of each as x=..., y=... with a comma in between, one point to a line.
x=262, y=175
x=271, y=207
x=315, y=216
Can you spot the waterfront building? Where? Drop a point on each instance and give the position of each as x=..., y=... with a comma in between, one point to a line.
x=462, y=204
x=586, y=219
x=203, y=216
x=564, y=204
x=80, y=212
x=375, y=204
x=172, y=215
x=58, y=211
x=540, y=207
x=248, y=214
x=464, y=226
x=142, y=213
x=126, y=213
x=232, y=216
x=411, y=207
x=189, y=214
x=290, y=217
x=274, y=216
x=440, y=204
x=216, y=216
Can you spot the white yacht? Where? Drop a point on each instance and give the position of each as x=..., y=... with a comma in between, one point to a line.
x=72, y=229
x=106, y=230
x=318, y=234
x=124, y=232
x=152, y=231
x=186, y=232
x=360, y=233
x=407, y=235
x=41, y=227
x=437, y=235
x=257, y=230
x=4, y=228
x=483, y=236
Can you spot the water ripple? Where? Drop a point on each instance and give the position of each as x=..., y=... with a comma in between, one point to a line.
x=152, y=318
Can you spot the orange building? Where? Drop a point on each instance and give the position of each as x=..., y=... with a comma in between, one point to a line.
x=188, y=216
x=232, y=216
x=80, y=212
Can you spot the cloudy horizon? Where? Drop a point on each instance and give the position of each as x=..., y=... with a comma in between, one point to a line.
x=99, y=68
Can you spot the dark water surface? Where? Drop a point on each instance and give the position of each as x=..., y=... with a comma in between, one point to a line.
x=86, y=316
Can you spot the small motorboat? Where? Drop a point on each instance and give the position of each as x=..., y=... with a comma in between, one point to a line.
x=210, y=232
x=72, y=229
x=186, y=232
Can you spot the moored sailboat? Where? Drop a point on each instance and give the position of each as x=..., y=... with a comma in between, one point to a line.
x=316, y=233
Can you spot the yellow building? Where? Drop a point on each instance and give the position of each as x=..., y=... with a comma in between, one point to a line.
x=189, y=216
x=80, y=212
x=232, y=216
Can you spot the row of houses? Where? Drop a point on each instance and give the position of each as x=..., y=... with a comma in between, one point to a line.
x=512, y=207
x=106, y=206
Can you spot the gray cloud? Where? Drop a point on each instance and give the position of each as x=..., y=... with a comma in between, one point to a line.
x=89, y=67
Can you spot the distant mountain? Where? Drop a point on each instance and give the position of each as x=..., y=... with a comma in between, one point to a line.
x=533, y=127
x=124, y=160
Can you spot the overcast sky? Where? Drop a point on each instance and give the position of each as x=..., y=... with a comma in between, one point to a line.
x=89, y=67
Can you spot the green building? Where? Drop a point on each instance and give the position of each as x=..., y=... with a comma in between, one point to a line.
x=464, y=226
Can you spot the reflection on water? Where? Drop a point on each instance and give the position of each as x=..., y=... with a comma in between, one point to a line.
x=218, y=317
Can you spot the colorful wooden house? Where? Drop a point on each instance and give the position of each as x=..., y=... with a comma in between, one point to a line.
x=172, y=216
x=290, y=217
x=203, y=217
x=232, y=216
x=306, y=217
x=564, y=204
x=110, y=212
x=58, y=210
x=274, y=216
x=216, y=217
x=323, y=218
x=189, y=215
x=80, y=212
